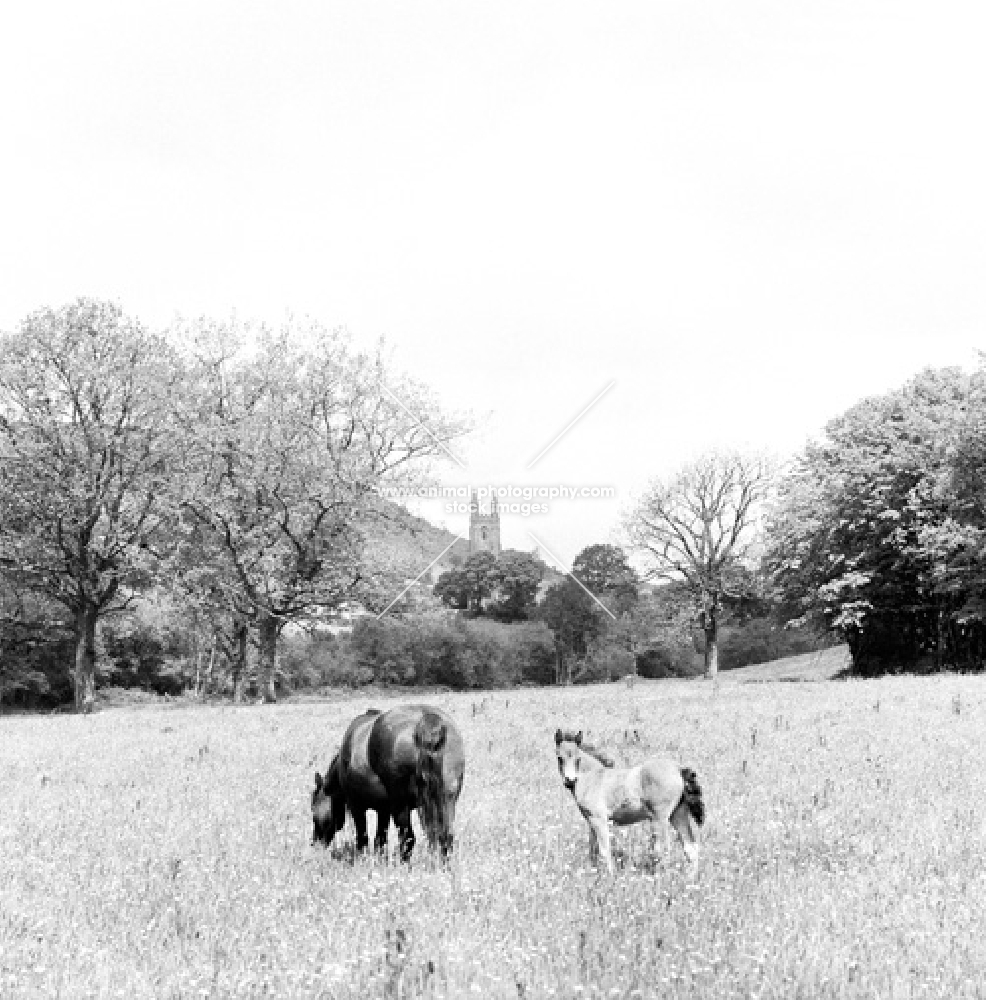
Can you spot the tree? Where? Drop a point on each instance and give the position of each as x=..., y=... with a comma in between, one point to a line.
x=516, y=578
x=698, y=527
x=605, y=571
x=468, y=587
x=288, y=446
x=875, y=534
x=575, y=618
x=86, y=417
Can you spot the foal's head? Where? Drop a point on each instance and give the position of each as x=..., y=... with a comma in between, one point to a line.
x=573, y=756
x=568, y=747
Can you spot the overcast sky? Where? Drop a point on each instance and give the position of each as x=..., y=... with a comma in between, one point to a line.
x=746, y=216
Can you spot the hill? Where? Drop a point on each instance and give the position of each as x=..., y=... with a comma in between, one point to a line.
x=822, y=665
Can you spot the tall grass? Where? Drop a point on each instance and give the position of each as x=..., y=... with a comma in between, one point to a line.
x=161, y=853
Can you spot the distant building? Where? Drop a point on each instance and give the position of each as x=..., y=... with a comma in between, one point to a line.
x=484, y=527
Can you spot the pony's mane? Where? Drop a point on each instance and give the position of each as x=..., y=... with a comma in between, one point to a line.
x=603, y=756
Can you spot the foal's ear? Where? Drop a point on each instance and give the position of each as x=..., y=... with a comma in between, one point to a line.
x=558, y=737
x=578, y=738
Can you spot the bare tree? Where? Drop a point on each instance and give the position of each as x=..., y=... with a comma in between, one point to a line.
x=698, y=527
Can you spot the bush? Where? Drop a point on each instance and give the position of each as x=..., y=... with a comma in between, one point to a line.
x=605, y=662
x=454, y=651
x=134, y=657
x=661, y=661
x=320, y=660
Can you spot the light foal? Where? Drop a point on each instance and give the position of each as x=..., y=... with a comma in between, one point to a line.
x=658, y=791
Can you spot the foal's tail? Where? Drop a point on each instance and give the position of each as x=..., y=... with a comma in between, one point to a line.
x=691, y=795
x=429, y=739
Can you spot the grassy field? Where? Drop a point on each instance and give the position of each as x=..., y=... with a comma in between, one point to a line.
x=164, y=852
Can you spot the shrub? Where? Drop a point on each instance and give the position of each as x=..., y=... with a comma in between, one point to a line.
x=320, y=660
x=605, y=662
x=660, y=661
x=454, y=651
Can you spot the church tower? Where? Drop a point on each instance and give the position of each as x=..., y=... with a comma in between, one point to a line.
x=484, y=528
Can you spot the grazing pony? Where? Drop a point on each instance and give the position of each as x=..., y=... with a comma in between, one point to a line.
x=657, y=790
x=410, y=757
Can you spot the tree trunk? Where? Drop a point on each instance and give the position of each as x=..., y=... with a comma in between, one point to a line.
x=941, y=646
x=239, y=661
x=212, y=666
x=85, y=659
x=561, y=675
x=711, y=645
x=267, y=638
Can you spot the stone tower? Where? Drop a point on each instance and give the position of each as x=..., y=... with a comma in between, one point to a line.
x=484, y=528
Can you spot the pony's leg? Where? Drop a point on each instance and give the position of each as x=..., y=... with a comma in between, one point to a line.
x=600, y=836
x=682, y=822
x=657, y=826
x=359, y=818
x=593, y=847
x=405, y=832
x=383, y=821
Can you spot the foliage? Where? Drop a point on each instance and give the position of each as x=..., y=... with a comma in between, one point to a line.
x=876, y=533
x=575, y=618
x=321, y=660
x=288, y=446
x=465, y=588
x=606, y=661
x=604, y=569
x=516, y=578
x=36, y=643
x=504, y=587
x=457, y=652
x=87, y=400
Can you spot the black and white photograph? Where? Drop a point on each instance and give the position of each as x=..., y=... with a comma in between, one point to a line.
x=492, y=500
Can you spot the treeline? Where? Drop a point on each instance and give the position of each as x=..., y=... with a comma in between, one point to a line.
x=879, y=529
x=177, y=508
x=233, y=468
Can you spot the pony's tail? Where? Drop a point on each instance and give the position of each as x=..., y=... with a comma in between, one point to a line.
x=429, y=740
x=691, y=795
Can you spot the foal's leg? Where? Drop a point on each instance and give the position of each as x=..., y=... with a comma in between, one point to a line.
x=658, y=825
x=593, y=846
x=359, y=818
x=600, y=832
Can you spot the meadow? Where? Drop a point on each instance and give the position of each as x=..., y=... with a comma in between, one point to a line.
x=164, y=852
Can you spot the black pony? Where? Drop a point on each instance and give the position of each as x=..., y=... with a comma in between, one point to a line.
x=410, y=757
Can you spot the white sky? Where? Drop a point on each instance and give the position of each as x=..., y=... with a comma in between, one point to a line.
x=748, y=215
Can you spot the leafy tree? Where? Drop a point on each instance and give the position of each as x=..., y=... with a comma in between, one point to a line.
x=86, y=413
x=698, y=527
x=604, y=569
x=468, y=587
x=288, y=446
x=575, y=618
x=516, y=578
x=872, y=534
